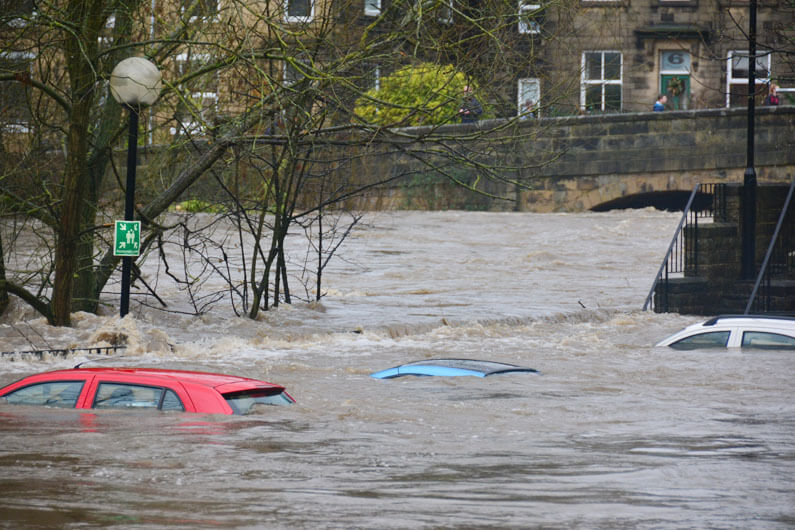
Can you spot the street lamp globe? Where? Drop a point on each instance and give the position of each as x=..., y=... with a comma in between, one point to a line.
x=135, y=82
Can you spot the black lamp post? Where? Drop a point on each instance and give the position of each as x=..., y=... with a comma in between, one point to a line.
x=748, y=270
x=135, y=83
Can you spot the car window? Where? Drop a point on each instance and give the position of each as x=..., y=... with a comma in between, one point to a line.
x=244, y=402
x=713, y=339
x=53, y=394
x=171, y=402
x=766, y=340
x=124, y=396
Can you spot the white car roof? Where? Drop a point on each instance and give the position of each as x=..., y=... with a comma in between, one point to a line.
x=756, y=320
x=784, y=325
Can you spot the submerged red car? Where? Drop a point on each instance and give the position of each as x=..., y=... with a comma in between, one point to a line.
x=145, y=388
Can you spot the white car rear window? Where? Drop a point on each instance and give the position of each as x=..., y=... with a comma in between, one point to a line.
x=767, y=340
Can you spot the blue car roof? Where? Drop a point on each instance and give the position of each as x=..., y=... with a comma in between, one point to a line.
x=451, y=368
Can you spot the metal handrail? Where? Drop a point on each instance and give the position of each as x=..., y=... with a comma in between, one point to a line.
x=769, y=253
x=671, y=247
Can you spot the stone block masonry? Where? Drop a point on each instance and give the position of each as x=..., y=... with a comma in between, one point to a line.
x=579, y=163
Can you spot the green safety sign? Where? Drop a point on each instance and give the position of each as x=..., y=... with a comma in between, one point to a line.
x=127, y=238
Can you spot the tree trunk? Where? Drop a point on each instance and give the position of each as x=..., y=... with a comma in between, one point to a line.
x=74, y=186
x=76, y=194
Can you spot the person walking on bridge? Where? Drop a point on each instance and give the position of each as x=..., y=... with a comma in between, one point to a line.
x=471, y=109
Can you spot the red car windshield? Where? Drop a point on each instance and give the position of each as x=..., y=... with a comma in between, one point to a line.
x=243, y=402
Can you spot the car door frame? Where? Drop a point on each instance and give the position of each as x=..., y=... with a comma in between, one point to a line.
x=735, y=337
x=132, y=379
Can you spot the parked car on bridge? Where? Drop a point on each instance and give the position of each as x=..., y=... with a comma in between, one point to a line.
x=451, y=368
x=736, y=331
x=145, y=388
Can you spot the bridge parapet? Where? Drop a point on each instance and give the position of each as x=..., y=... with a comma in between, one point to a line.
x=582, y=162
x=620, y=155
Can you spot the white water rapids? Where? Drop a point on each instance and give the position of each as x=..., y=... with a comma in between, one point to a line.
x=614, y=433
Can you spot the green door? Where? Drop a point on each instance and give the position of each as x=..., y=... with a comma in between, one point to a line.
x=677, y=88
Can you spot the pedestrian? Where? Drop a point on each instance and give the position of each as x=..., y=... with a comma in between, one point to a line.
x=772, y=95
x=470, y=110
x=659, y=105
x=528, y=110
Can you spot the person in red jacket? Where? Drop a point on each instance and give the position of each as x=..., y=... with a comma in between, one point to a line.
x=772, y=95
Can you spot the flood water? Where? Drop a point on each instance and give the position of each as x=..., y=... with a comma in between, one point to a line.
x=613, y=433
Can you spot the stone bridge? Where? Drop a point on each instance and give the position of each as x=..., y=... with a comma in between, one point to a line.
x=612, y=161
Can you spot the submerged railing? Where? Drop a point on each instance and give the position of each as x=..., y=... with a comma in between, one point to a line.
x=63, y=352
x=683, y=253
x=779, y=259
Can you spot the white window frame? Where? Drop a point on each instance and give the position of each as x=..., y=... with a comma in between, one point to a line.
x=585, y=82
x=194, y=127
x=105, y=41
x=761, y=59
x=302, y=19
x=199, y=18
x=376, y=78
x=528, y=26
x=285, y=69
x=21, y=22
x=21, y=127
x=520, y=100
x=446, y=14
x=372, y=8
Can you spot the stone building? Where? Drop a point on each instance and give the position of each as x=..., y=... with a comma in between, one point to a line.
x=624, y=53
x=536, y=58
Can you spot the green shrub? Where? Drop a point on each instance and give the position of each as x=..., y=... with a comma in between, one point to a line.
x=198, y=206
x=424, y=94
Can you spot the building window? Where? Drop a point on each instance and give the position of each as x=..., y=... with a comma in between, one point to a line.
x=17, y=13
x=292, y=73
x=601, y=81
x=529, y=96
x=446, y=12
x=15, y=113
x=528, y=17
x=372, y=8
x=737, y=76
x=105, y=39
x=299, y=10
x=372, y=78
x=197, y=108
x=201, y=9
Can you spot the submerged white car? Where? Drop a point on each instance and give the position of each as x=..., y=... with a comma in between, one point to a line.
x=737, y=331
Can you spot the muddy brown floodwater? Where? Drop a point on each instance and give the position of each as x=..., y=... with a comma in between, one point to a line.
x=613, y=433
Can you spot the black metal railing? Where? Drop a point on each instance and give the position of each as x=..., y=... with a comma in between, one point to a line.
x=779, y=259
x=682, y=257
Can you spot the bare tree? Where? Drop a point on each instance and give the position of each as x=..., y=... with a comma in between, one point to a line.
x=258, y=113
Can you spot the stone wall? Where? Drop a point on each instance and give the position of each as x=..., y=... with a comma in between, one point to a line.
x=543, y=165
x=579, y=163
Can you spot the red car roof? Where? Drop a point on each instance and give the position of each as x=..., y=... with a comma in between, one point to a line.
x=230, y=382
